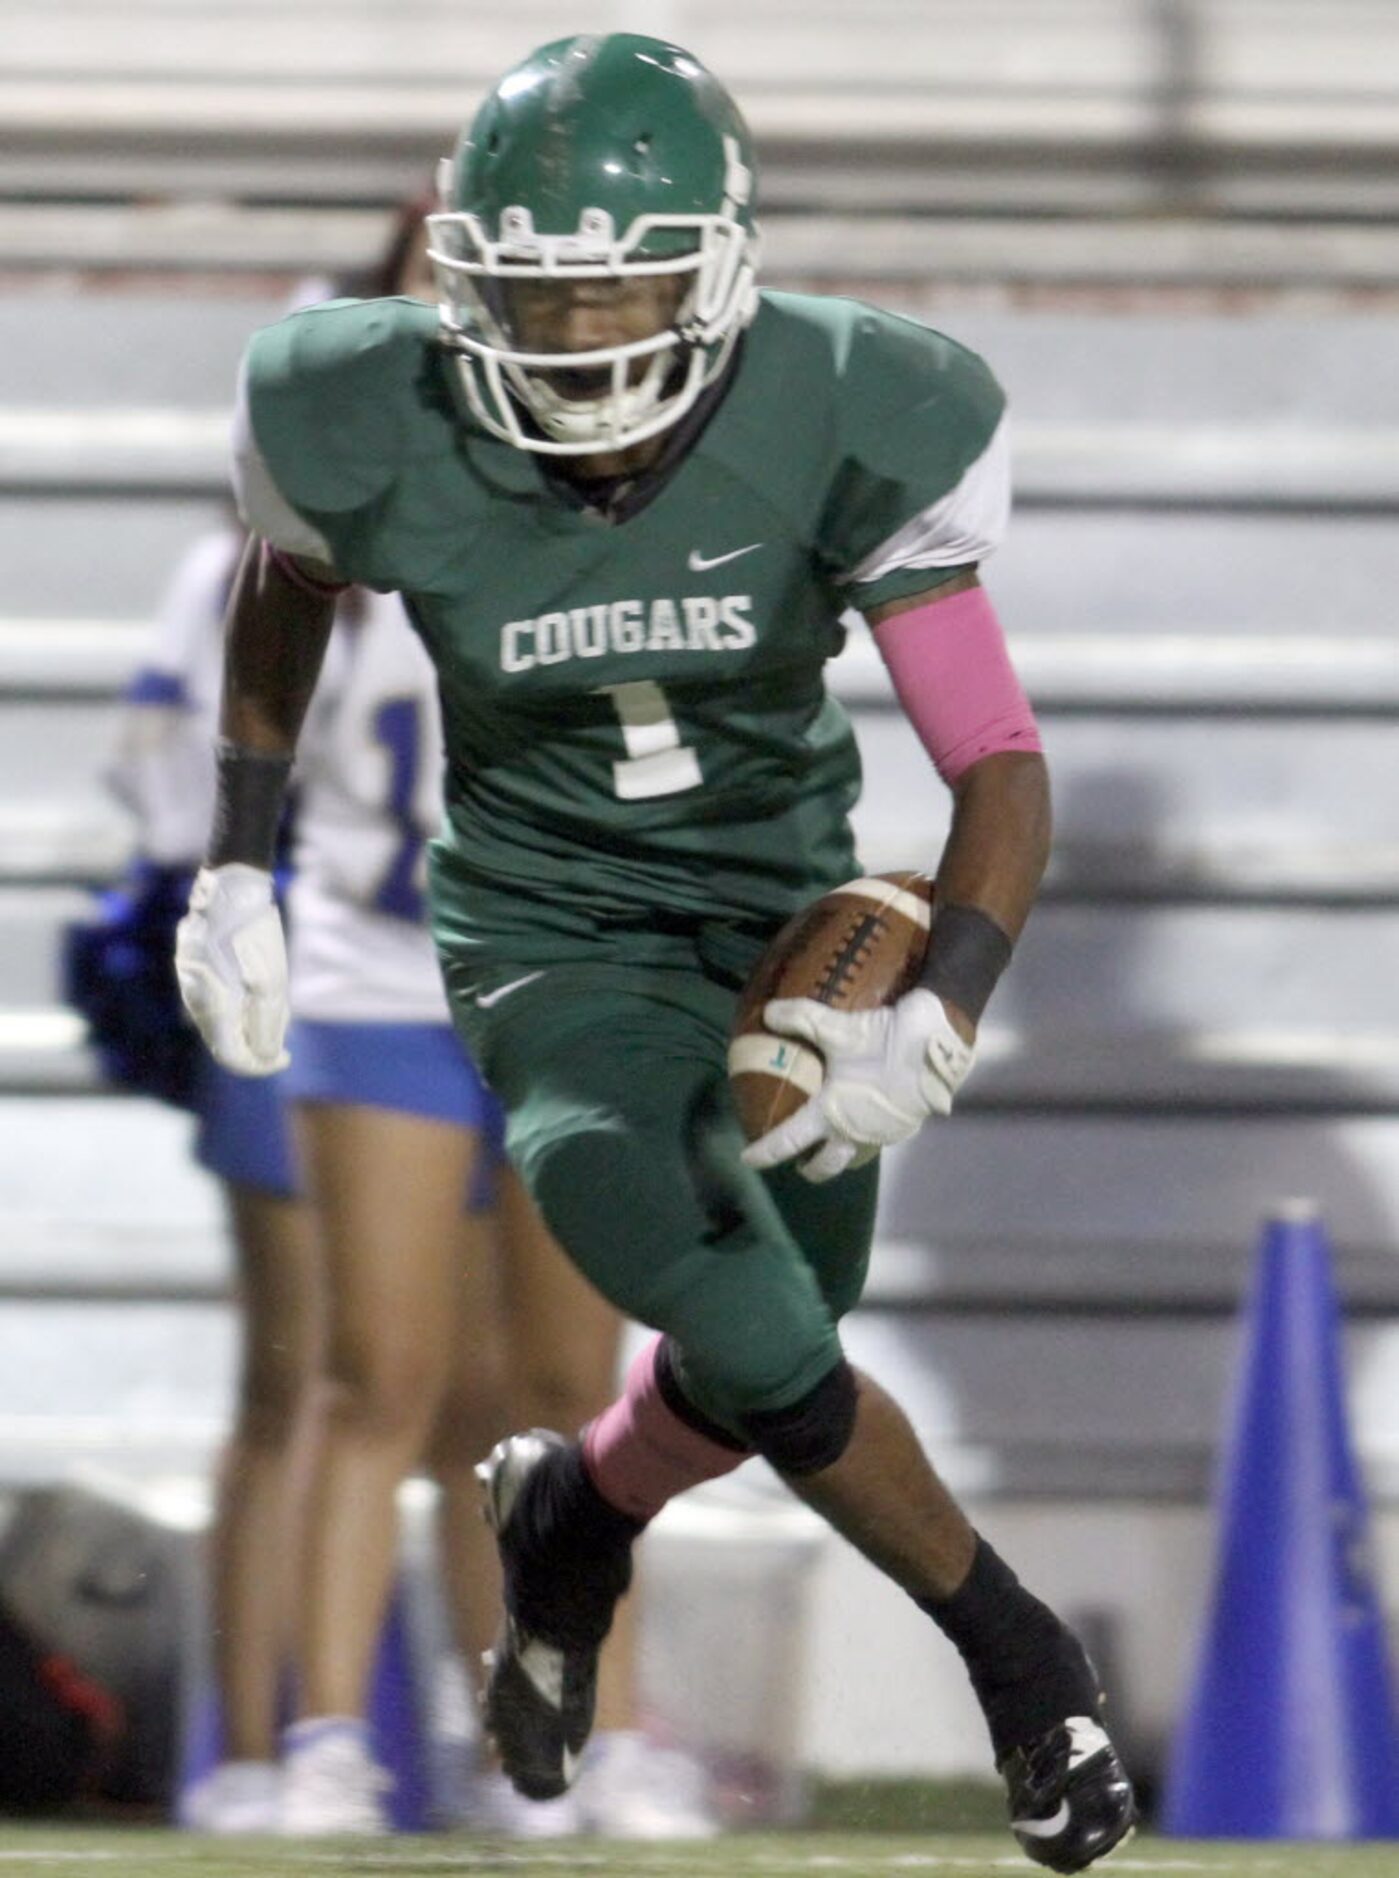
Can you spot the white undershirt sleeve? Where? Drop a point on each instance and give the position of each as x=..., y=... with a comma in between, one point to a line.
x=960, y=528
x=260, y=502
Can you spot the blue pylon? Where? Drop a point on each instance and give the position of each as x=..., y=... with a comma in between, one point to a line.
x=1290, y=1730
x=397, y=1722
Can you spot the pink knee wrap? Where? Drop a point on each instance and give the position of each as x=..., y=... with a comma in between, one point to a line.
x=640, y=1454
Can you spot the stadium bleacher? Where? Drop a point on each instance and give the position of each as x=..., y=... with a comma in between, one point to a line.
x=1170, y=228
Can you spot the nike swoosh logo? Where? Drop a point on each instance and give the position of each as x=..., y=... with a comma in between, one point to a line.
x=699, y=563
x=485, y=999
x=1044, y=1828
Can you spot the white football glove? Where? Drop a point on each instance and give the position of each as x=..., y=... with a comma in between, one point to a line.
x=231, y=961
x=887, y=1071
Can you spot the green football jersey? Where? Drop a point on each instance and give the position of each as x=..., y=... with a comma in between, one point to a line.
x=634, y=712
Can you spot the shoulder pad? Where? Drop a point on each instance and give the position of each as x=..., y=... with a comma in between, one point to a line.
x=881, y=365
x=332, y=391
x=907, y=414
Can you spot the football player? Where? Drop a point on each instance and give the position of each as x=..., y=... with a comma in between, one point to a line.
x=627, y=497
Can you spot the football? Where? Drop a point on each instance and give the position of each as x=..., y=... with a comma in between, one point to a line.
x=860, y=946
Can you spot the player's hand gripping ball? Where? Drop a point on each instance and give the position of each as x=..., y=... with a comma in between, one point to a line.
x=835, y=1050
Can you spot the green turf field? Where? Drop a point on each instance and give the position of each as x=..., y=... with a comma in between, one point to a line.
x=107, y=1853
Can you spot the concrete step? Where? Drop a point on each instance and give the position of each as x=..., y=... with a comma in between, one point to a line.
x=1164, y=368
x=329, y=44
x=1148, y=1212
x=1161, y=807
x=1154, y=975
x=1131, y=671
x=1098, y=1407
x=1012, y=1197
x=121, y=1206
x=64, y=553
x=1257, y=48
x=1091, y=1407
x=1124, y=569
x=1079, y=75
x=1124, y=671
x=89, y=659
x=1087, y=1350
x=1254, y=808
x=160, y=450
x=32, y=921
x=1282, y=1068
x=1129, y=241
x=1113, y=570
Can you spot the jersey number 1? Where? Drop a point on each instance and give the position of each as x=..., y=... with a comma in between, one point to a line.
x=656, y=763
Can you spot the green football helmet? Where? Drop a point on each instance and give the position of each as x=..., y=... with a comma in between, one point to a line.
x=598, y=159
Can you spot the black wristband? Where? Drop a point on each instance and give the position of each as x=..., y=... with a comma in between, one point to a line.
x=247, y=806
x=967, y=953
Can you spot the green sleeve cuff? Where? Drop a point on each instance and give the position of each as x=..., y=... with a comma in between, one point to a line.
x=902, y=584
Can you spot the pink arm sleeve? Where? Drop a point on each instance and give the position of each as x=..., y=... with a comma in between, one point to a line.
x=954, y=678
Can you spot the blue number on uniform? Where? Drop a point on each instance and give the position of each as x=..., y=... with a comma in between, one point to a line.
x=398, y=725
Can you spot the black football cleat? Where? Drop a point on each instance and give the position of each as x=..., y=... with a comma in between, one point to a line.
x=541, y=1682
x=1071, y=1802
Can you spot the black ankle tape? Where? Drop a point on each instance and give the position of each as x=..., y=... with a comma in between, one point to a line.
x=1027, y=1667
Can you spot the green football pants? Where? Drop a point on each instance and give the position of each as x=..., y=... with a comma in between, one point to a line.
x=621, y=1124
